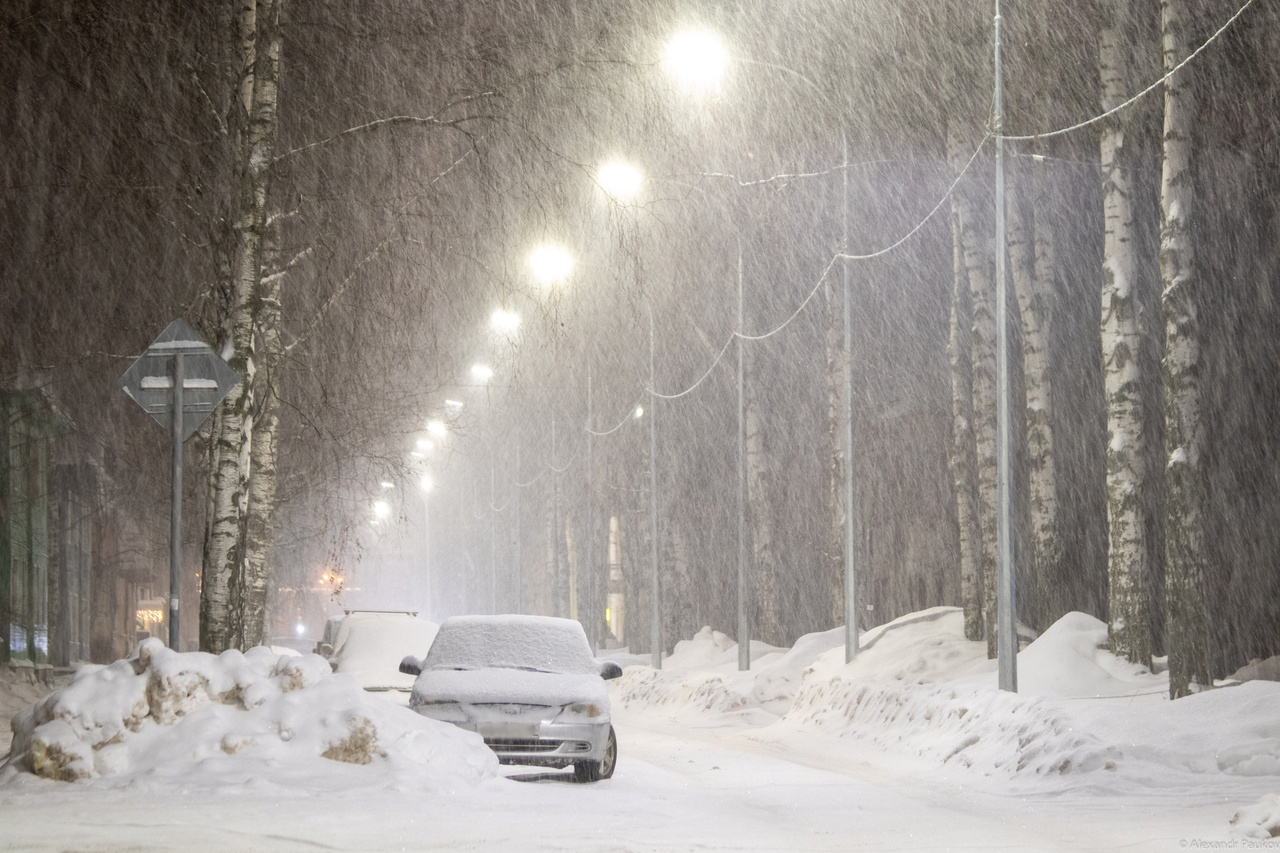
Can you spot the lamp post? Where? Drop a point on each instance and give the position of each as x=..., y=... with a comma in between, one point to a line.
x=482, y=373
x=698, y=59
x=426, y=484
x=622, y=181
x=551, y=264
x=1006, y=591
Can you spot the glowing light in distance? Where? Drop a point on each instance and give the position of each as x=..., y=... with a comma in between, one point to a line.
x=453, y=404
x=504, y=321
x=387, y=484
x=481, y=372
x=638, y=413
x=550, y=263
x=425, y=444
x=381, y=510
x=300, y=629
x=620, y=180
x=427, y=483
x=697, y=59
x=437, y=428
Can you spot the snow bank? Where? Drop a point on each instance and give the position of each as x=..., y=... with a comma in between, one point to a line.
x=919, y=688
x=987, y=730
x=231, y=718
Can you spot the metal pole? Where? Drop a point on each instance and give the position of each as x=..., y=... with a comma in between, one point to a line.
x=744, y=625
x=592, y=592
x=519, y=567
x=175, y=511
x=1006, y=630
x=493, y=524
x=557, y=528
x=655, y=586
x=426, y=552
x=850, y=505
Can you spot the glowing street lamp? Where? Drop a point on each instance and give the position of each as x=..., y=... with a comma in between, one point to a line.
x=381, y=511
x=550, y=263
x=437, y=428
x=504, y=321
x=481, y=372
x=697, y=59
x=620, y=180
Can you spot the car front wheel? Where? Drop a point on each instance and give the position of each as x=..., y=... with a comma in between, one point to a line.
x=594, y=771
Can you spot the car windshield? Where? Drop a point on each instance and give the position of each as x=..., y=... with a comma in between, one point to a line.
x=534, y=643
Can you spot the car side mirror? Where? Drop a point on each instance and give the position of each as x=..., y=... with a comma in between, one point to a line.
x=411, y=665
x=325, y=650
x=609, y=669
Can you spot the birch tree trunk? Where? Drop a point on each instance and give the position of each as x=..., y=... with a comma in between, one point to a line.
x=980, y=274
x=1038, y=318
x=1186, y=589
x=963, y=457
x=222, y=587
x=1031, y=265
x=837, y=412
x=766, y=620
x=259, y=529
x=1128, y=616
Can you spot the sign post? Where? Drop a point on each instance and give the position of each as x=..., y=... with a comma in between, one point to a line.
x=179, y=380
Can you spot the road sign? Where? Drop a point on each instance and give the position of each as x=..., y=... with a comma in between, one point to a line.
x=206, y=378
x=178, y=381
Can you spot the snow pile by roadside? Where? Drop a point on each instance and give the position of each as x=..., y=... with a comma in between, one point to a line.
x=986, y=730
x=167, y=716
x=919, y=688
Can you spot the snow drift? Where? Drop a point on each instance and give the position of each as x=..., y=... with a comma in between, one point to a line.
x=233, y=717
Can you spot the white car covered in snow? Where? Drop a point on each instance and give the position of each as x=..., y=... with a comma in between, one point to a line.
x=527, y=684
x=369, y=645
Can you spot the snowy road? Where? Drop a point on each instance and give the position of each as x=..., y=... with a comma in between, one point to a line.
x=708, y=790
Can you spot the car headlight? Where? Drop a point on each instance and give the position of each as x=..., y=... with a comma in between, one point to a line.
x=441, y=709
x=582, y=710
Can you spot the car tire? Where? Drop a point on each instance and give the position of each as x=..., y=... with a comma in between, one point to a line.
x=594, y=771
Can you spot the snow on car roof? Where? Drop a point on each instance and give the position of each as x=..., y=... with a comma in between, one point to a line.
x=544, y=643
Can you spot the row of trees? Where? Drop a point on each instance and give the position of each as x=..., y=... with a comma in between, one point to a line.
x=332, y=192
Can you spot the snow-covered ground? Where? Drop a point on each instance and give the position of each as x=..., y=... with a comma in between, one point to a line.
x=908, y=746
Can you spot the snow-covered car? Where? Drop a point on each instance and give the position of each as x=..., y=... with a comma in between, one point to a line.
x=369, y=645
x=527, y=684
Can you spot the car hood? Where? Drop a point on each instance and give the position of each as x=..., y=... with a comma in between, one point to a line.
x=479, y=686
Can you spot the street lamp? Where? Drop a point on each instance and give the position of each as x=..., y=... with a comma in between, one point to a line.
x=504, y=321
x=550, y=263
x=381, y=511
x=699, y=59
x=620, y=180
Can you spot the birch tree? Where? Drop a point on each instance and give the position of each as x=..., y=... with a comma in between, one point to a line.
x=254, y=110
x=1127, y=560
x=1032, y=267
x=766, y=616
x=963, y=456
x=979, y=274
x=1185, y=566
